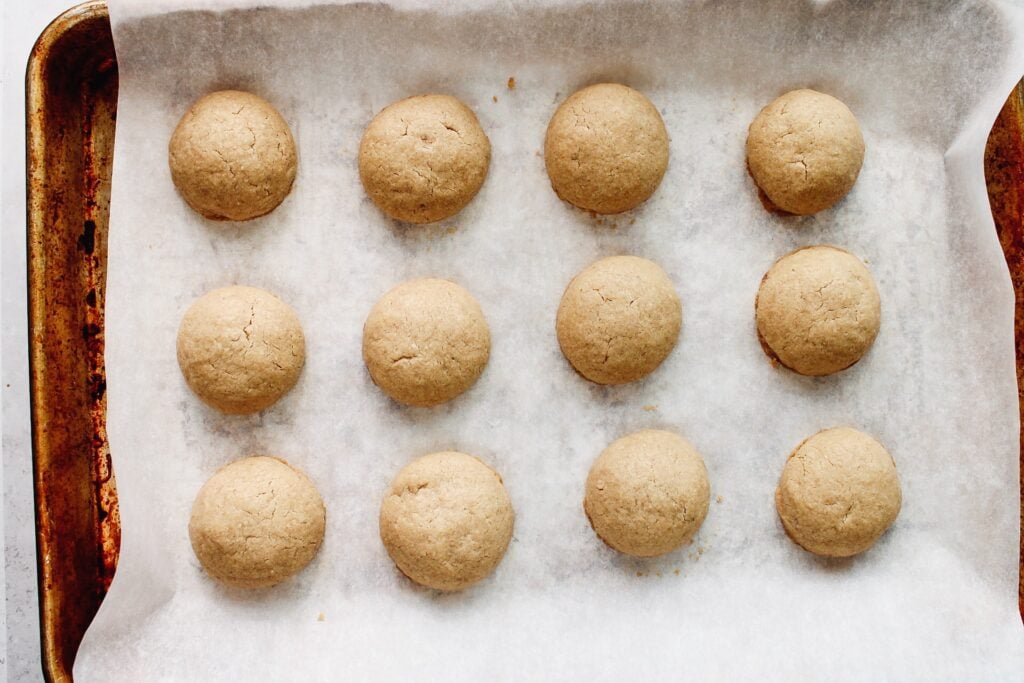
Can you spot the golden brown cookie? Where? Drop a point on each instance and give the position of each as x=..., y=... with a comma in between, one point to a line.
x=805, y=150
x=232, y=156
x=619, y=319
x=647, y=493
x=422, y=159
x=606, y=148
x=817, y=310
x=256, y=522
x=425, y=342
x=240, y=349
x=446, y=520
x=838, y=493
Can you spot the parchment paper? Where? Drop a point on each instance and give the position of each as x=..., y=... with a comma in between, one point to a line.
x=934, y=600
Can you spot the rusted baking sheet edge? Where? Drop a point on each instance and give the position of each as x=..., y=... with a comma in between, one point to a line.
x=1004, y=175
x=71, y=98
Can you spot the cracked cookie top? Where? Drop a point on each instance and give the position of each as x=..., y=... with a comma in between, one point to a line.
x=838, y=493
x=606, y=148
x=232, y=156
x=426, y=341
x=619, y=319
x=647, y=493
x=422, y=159
x=817, y=310
x=446, y=520
x=240, y=349
x=805, y=150
x=256, y=522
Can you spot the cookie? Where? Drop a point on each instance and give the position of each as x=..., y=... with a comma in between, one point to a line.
x=619, y=319
x=446, y=520
x=425, y=342
x=240, y=349
x=838, y=493
x=256, y=522
x=805, y=150
x=232, y=156
x=647, y=493
x=817, y=310
x=422, y=159
x=606, y=149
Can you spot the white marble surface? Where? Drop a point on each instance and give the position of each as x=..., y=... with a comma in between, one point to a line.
x=19, y=648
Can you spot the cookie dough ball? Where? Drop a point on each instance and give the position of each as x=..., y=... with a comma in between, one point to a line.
x=619, y=319
x=817, y=310
x=446, y=520
x=232, y=156
x=838, y=493
x=240, y=349
x=804, y=151
x=422, y=159
x=647, y=493
x=425, y=342
x=606, y=149
x=256, y=522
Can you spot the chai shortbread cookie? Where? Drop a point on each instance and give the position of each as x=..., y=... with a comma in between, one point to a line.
x=838, y=493
x=232, y=156
x=647, y=493
x=619, y=319
x=256, y=522
x=606, y=148
x=425, y=342
x=422, y=159
x=805, y=150
x=446, y=520
x=240, y=349
x=817, y=310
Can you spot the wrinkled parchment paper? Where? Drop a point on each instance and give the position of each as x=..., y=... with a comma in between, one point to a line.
x=935, y=600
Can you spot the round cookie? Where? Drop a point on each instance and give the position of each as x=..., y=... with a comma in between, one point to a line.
x=240, y=349
x=619, y=319
x=838, y=493
x=606, y=148
x=817, y=310
x=446, y=520
x=425, y=342
x=647, y=493
x=422, y=159
x=256, y=522
x=232, y=156
x=805, y=150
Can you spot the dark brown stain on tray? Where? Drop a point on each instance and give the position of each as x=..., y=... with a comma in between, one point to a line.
x=87, y=240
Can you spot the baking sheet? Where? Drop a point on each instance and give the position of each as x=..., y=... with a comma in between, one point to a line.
x=934, y=600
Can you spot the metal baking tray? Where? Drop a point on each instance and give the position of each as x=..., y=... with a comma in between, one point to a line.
x=71, y=110
x=71, y=100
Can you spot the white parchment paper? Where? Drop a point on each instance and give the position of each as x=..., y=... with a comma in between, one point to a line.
x=935, y=600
